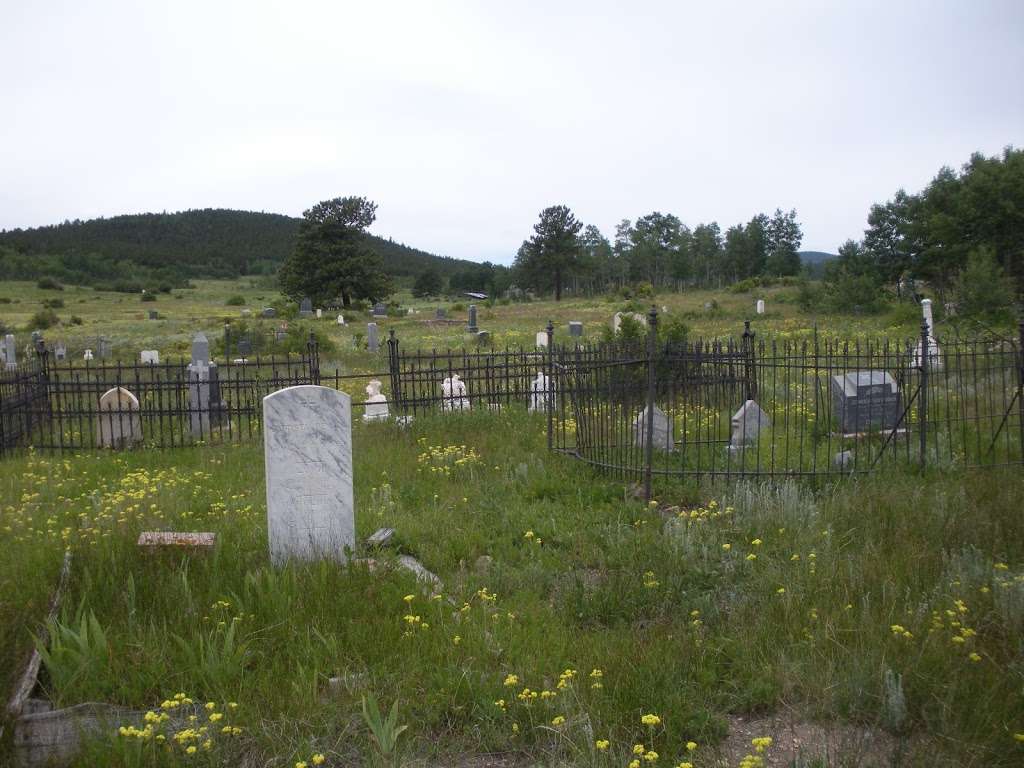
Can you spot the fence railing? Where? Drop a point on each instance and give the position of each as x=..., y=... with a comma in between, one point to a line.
x=713, y=409
x=791, y=408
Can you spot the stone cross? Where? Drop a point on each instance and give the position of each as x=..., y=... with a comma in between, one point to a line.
x=372, y=342
x=307, y=445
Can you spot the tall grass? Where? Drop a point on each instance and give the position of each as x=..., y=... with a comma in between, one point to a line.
x=839, y=604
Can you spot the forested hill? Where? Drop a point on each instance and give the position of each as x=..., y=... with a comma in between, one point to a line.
x=211, y=242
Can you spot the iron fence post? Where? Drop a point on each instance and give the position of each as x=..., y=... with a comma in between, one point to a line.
x=923, y=407
x=549, y=399
x=749, y=374
x=313, y=350
x=396, y=390
x=1020, y=384
x=652, y=341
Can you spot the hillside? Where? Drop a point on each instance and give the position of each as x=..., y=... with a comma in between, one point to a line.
x=815, y=257
x=172, y=247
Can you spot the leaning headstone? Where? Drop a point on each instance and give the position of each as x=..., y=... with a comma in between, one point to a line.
x=483, y=337
x=471, y=327
x=60, y=351
x=865, y=401
x=372, y=342
x=149, y=356
x=453, y=394
x=380, y=538
x=662, y=431
x=10, y=353
x=341, y=320
x=305, y=307
x=760, y=306
x=307, y=446
x=380, y=310
x=268, y=312
x=541, y=393
x=376, y=403
x=576, y=328
x=747, y=423
x=119, y=422
x=542, y=339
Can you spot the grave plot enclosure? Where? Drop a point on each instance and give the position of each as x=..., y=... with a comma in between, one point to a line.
x=790, y=408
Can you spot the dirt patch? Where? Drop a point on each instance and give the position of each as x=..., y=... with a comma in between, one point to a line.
x=804, y=744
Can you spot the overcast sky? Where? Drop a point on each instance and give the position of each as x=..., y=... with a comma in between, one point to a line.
x=462, y=120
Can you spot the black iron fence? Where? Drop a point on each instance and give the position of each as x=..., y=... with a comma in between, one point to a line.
x=790, y=408
x=712, y=409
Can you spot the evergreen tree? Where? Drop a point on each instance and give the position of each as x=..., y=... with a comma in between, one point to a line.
x=332, y=257
x=429, y=283
x=553, y=251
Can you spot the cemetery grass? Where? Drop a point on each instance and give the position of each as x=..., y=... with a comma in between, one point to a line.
x=568, y=612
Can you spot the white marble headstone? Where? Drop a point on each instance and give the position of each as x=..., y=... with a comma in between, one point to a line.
x=307, y=444
x=151, y=356
x=119, y=422
x=376, y=403
x=542, y=339
x=760, y=306
x=541, y=393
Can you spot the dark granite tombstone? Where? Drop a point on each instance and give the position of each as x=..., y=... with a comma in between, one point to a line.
x=154, y=315
x=865, y=401
x=269, y=312
x=471, y=327
x=243, y=348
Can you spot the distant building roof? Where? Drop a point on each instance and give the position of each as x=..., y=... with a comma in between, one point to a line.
x=473, y=295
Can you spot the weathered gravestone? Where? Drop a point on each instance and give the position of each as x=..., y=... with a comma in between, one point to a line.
x=617, y=319
x=576, y=328
x=483, y=338
x=268, y=312
x=203, y=389
x=376, y=403
x=471, y=327
x=103, y=348
x=305, y=307
x=154, y=315
x=372, y=342
x=760, y=306
x=865, y=401
x=542, y=339
x=307, y=444
x=60, y=351
x=243, y=347
x=662, y=430
x=747, y=423
x=380, y=310
x=319, y=313
x=440, y=313
x=10, y=353
x=341, y=319
x=87, y=356
x=541, y=393
x=119, y=422
x=149, y=356
x=453, y=394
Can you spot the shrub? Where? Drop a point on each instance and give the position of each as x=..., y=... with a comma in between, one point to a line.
x=43, y=319
x=983, y=290
x=672, y=329
x=76, y=320
x=53, y=303
x=5, y=300
x=744, y=286
x=49, y=284
x=235, y=301
x=458, y=307
x=149, y=296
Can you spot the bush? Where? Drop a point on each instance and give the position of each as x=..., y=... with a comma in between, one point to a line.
x=672, y=329
x=983, y=290
x=49, y=284
x=149, y=296
x=53, y=303
x=43, y=319
x=5, y=300
x=744, y=286
x=458, y=307
x=235, y=301
x=76, y=320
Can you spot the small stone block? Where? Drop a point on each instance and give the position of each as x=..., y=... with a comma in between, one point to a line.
x=180, y=540
x=381, y=537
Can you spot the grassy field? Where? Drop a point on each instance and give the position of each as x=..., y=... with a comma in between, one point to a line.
x=122, y=318
x=876, y=621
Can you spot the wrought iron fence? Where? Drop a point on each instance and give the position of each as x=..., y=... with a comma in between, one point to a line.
x=790, y=408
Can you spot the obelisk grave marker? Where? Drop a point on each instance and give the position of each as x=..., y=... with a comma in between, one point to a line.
x=307, y=445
